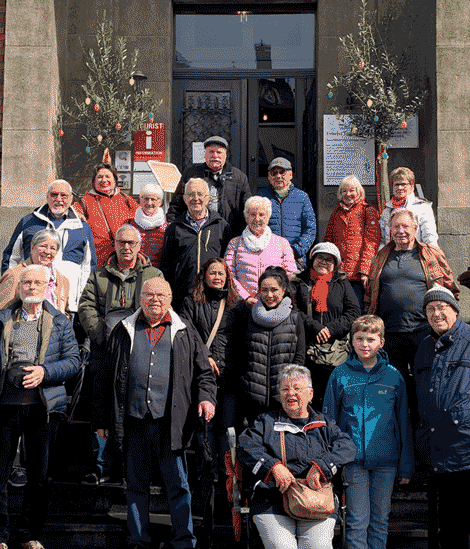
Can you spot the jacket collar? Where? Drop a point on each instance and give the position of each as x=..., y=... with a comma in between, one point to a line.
x=354, y=362
x=449, y=337
x=72, y=221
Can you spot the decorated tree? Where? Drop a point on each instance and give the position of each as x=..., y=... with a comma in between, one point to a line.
x=377, y=94
x=110, y=109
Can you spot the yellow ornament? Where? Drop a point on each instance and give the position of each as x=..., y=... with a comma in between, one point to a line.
x=369, y=103
x=100, y=138
x=131, y=81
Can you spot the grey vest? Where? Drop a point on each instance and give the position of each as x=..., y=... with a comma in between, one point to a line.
x=149, y=374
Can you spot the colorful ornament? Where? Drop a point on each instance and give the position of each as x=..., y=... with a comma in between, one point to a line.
x=330, y=95
x=369, y=103
x=376, y=118
x=61, y=132
x=361, y=64
x=88, y=150
x=131, y=81
x=338, y=116
x=151, y=116
x=100, y=138
x=404, y=124
x=354, y=130
x=97, y=107
x=118, y=126
x=385, y=156
x=87, y=101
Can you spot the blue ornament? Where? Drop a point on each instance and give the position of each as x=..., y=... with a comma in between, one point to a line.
x=150, y=115
x=88, y=149
x=385, y=156
x=376, y=118
x=330, y=95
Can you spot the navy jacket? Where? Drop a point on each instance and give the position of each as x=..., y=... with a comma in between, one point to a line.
x=442, y=373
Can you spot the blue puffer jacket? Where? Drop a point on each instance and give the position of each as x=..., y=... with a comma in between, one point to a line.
x=442, y=370
x=62, y=358
x=294, y=219
x=371, y=406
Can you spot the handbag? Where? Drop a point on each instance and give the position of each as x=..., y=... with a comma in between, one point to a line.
x=330, y=354
x=302, y=502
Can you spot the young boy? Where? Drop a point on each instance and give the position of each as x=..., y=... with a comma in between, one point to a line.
x=366, y=396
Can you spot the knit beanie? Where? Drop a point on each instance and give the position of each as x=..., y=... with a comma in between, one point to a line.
x=439, y=293
x=326, y=248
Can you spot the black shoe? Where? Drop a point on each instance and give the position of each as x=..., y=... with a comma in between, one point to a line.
x=18, y=477
x=95, y=478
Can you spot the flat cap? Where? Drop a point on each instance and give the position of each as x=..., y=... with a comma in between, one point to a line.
x=280, y=162
x=216, y=140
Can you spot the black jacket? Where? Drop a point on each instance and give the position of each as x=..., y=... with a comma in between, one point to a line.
x=343, y=307
x=233, y=193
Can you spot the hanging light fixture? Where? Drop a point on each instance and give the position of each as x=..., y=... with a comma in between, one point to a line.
x=243, y=15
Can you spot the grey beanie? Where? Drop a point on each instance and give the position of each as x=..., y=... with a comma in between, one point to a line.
x=326, y=248
x=439, y=293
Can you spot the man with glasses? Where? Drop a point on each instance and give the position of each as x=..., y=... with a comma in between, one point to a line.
x=76, y=258
x=196, y=236
x=228, y=186
x=292, y=213
x=39, y=352
x=164, y=372
x=112, y=293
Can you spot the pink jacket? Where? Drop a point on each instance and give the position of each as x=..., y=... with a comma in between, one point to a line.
x=247, y=266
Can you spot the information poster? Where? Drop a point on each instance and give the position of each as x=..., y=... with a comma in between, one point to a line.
x=344, y=154
x=406, y=138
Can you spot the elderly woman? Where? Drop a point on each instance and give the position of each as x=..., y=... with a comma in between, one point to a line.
x=309, y=437
x=402, y=181
x=106, y=208
x=399, y=278
x=44, y=247
x=329, y=306
x=150, y=220
x=248, y=255
x=354, y=228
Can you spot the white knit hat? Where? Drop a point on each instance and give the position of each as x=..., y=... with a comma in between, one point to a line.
x=326, y=248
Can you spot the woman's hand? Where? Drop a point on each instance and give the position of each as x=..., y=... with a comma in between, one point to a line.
x=250, y=301
x=313, y=478
x=214, y=366
x=323, y=335
x=283, y=477
x=364, y=280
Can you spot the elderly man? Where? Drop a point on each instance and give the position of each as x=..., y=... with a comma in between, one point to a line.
x=38, y=353
x=293, y=216
x=161, y=365
x=442, y=371
x=228, y=186
x=111, y=293
x=76, y=258
x=399, y=277
x=196, y=236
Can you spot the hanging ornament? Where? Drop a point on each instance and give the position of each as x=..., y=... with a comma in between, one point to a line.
x=87, y=101
x=97, y=107
x=131, y=81
x=354, y=130
x=151, y=116
x=100, y=138
x=88, y=150
x=361, y=64
x=369, y=103
x=376, y=118
x=338, y=116
x=118, y=126
x=330, y=95
x=385, y=156
x=61, y=132
x=404, y=124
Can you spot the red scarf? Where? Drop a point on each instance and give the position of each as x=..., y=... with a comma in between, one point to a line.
x=398, y=202
x=319, y=291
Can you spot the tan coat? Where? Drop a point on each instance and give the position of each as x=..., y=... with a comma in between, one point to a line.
x=11, y=278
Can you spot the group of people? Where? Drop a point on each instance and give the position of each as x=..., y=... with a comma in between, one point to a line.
x=221, y=311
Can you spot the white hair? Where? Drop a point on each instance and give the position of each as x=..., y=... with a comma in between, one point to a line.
x=352, y=180
x=196, y=180
x=49, y=187
x=34, y=268
x=409, y=213
x=128, y=227
x=257, y=202
x=151, y=188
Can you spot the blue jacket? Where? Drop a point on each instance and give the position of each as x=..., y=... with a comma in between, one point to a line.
x=61, y=355
x=371, y=406
x=294, y=219
x=442, y=373
x=76, y=258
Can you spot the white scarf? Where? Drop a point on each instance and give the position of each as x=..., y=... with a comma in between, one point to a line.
x=147, y=222
x=255, y=243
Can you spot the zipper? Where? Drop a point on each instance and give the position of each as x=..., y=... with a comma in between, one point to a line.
x=199, y=251
x=268, y=371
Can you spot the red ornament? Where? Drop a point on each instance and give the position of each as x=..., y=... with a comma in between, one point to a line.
x=361, y=64
x=61, y=133
x=404, y=124
x=97, y=107
x=118, y=126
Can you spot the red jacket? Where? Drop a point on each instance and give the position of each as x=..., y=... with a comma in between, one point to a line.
x=356, y=233
x=152, y=241
x=117, y=210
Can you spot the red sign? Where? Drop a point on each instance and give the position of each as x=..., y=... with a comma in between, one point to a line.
x=149, y=144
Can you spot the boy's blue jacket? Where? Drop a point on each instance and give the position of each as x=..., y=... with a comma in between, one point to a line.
x=371, y=406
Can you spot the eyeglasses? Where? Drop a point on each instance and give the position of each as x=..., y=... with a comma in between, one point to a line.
x=196, y=195
x=156, y=297
x=130, y=243
x=295, y=389
x=325, y=259
x=276, y=171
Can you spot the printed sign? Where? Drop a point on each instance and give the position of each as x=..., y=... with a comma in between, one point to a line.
x=149, y=144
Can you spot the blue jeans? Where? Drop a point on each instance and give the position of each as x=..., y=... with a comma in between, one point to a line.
x=368, y=502
x=147, y=443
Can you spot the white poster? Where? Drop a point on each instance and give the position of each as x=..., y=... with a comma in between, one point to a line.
x=141, y=179
x=198, y=152
x=344, y=154
x=123, y=161
x=406, y=138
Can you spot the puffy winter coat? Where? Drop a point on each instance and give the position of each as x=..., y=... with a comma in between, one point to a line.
x=58, y=353
x=342, y=304
x=192, y=381
x=442, y=374
x=293, y=219
x=246, y=266
x=371, y=406
x=234, y=191
x=76, y=258
x=117, y=209
x=427, y=230
x=356, y=233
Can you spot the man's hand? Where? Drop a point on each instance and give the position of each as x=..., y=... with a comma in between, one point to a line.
x=103, y=433
x=207, y=409
x=323, y=335
x=34, y=378
x=214, y=366
x=283, y=477
x=250, y=301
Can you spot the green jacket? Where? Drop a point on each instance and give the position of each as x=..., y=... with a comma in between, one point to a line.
x=92, y=305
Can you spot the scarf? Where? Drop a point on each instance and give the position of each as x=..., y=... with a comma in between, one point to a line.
x=270, y=318
x=147, y=222
x=320, y=289
x=398, y=202
x=255, y=243
x=51, y=294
